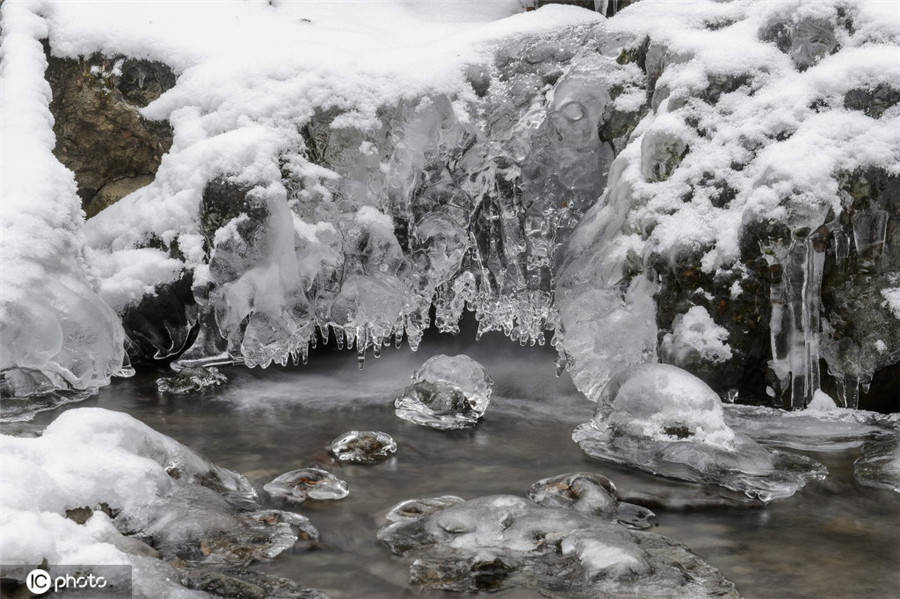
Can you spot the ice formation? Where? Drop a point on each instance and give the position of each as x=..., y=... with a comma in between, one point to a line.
x=363, y=447
x=663, y=420
x=657, y=175
x=299, y=485
x=55, y=331
x=191, y=379
x=502, y=541
x=447, y=392
x=589, y=494
x=149, y=499
x=879, y=466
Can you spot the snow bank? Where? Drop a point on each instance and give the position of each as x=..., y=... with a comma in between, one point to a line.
x=55, y=331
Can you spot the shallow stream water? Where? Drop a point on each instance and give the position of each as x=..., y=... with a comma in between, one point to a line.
x=833, y=539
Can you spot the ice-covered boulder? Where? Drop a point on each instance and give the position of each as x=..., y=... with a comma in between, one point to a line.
x=589, y=493
x=299, y=485
x=363, y=447
x=498, y=542
x=192, y=379
x=663, y=420
x=447, y=392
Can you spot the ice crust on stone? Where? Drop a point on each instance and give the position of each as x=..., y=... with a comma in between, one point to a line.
x=191, y=379
x=502, y=541
x=299, y=485
x=363, y=447
x=589, y=493
x=150, y=502
x=663, y=420
x=55, y=330
x=447, y=392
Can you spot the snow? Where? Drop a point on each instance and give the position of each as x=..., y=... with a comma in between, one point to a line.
x=696, y=332
x=54, y=329
x=892, y=299
x=821, y=402
x=785, y=178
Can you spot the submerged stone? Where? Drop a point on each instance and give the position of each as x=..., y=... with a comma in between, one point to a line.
x=447, y=392
x=363, y=447
x=299, y=485
x=503, y=541
x=194, y=379
x=663, y=420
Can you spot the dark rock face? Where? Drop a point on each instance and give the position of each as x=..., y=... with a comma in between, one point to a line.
x=163, y=325
x=100, y=134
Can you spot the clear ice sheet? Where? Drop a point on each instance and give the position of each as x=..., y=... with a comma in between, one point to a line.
x=663, y=420
x=447, y=392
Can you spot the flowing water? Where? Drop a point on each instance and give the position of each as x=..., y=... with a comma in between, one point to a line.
x=833, y=539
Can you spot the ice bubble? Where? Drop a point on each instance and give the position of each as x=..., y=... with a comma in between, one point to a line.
x=447, y=392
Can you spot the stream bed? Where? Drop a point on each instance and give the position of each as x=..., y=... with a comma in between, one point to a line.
x=834, y=538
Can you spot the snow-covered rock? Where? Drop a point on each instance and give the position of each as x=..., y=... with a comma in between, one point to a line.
x=100, y=487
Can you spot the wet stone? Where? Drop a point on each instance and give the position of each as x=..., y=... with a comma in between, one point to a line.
x=447, y=392
x=241, y=583
x=591, y=494
x=194, y=379
x=363, y=447
x=299, y=485
x=501, y=542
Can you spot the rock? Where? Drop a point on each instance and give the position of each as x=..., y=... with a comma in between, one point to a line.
x=163, y=324
x=806, y=40
x=590, y=494
x=497, y=542
x=872, y=101
x=243, y=583
x=363, y=447
x=447, y=392
x=196, y=379
x=297, y=486
x=100, y=135
x=663, y=420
